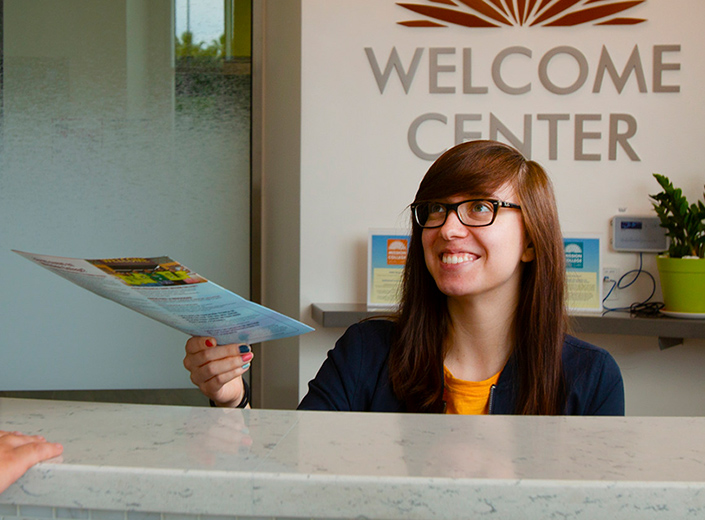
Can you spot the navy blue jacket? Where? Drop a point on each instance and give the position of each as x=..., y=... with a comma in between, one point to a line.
x=355, y=377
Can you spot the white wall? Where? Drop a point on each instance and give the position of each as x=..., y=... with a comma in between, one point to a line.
x=358, y=170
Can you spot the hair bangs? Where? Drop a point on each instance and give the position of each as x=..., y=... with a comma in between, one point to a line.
x=475, y=168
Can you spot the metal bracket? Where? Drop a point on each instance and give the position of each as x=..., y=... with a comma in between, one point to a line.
x=664, y=343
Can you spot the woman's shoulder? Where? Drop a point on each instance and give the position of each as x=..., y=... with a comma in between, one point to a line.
x=374, y=326
x=594, y=379
x=575, y=347
x=375, y=333
x=580, y=355
x=355, y=376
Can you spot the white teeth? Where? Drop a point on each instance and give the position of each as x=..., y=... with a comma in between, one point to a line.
x=458, y=258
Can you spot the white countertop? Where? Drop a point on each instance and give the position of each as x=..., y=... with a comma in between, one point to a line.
x=273, y=463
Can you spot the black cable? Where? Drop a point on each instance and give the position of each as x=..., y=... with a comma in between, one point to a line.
x=643, y=308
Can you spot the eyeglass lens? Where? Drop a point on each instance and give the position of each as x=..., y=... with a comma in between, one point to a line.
x=470, y=213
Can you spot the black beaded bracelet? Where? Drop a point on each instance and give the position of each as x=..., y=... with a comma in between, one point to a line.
x=245, y=398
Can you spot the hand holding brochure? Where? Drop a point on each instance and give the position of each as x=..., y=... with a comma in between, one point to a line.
x=170, y=293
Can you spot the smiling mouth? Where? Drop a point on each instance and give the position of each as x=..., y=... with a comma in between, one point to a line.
x=456, y=258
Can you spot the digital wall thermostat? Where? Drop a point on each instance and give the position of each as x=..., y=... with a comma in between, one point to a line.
x=638, y=234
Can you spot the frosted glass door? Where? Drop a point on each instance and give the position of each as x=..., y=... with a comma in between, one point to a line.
x=111, y=146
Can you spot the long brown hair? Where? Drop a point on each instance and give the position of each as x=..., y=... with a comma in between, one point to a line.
x=416, y=357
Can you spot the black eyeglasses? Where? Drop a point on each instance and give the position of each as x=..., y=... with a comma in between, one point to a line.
x=471, y=213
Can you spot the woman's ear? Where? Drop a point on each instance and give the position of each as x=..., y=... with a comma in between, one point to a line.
x=529, y=253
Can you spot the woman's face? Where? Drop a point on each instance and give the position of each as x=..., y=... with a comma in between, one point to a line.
x=473, y=262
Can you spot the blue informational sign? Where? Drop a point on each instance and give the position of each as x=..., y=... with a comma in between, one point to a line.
x=582, y=259
x=387, y=250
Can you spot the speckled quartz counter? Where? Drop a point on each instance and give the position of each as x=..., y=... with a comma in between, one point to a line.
x=138, y=462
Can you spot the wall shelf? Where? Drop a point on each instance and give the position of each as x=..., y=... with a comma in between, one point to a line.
x=670, y=331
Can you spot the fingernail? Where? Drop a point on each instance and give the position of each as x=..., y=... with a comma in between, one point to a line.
x=247, y=357
x=245, y=366
x=244, y=348
x=209, y=343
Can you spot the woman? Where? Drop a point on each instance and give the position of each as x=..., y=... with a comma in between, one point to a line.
x=482, y=323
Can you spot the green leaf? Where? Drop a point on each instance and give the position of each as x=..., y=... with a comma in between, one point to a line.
x=684, y=222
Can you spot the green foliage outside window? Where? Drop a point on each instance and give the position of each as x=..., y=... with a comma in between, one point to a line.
x=185, y=47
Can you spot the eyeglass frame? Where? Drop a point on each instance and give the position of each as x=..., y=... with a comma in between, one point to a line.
x=496, y=204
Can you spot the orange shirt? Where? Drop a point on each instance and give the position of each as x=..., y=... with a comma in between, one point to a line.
x=467, y=397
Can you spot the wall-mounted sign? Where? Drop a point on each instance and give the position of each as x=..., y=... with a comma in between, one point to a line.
x=386, y=257
x=542, y=13
x=477, y=75
x=582, y=262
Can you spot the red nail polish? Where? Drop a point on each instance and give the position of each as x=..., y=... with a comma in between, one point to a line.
x=209, y=343
x=247, y=357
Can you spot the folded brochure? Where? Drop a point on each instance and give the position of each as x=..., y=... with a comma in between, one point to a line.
x=171, y=293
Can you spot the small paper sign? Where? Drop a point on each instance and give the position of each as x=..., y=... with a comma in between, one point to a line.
x=582, y=260
x=386, y=257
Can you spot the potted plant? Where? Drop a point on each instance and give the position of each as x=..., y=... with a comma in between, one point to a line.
x=682, y=268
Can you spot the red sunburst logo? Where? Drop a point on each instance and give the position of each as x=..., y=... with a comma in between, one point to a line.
x=499, y=13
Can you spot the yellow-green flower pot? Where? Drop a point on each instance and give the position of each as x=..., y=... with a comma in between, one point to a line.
x=682, y=283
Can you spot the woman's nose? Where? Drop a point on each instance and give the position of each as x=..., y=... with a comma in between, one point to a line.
x=452, y=227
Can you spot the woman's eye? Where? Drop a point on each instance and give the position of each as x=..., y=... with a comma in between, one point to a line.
x=435, y=208
x=481, y=206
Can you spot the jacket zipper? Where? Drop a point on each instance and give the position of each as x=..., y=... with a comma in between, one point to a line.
x=489, y=411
